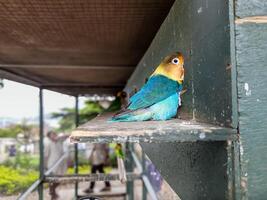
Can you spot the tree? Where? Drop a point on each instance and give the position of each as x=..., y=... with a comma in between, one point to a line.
x=28, y=130
x=90, y=111
x=11, y=131
x=66, y=118
x=67, y=115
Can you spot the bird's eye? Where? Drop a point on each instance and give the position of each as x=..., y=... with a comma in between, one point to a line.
x=175, y=61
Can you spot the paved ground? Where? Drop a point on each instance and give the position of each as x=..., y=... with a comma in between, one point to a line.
x=66, y=192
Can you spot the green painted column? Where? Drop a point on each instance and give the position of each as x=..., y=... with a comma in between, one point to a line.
x=251, y=58
x=41, y=144
x=201, y=30
x=76, y=161
x=129, y=168
x=144, y=191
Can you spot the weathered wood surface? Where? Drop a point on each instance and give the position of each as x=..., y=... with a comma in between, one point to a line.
x=251, y=54
x=201, y=31
x=100, y=130
x=245, y=8
x=194, y=170
x=90, y=177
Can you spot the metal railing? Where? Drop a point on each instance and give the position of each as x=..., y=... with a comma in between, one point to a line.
x=44, y=176
x=39, y=181
x=144, y=177
x=93, y=177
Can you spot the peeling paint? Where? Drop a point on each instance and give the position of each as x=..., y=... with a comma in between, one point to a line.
x=244, y=183
x=202, y=136
x=199, y=10
x=241, y=150
x=252, y=19
x=247, y=90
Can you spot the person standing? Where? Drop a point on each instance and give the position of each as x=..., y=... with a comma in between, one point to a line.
x=99, y=157
x=53, y=150
x=12, y=151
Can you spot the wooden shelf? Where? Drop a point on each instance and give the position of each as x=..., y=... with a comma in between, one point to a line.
x=100, y=130
x=89, y=177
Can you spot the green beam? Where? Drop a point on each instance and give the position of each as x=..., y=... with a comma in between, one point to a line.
x=144, y=191
x=41, y=144
x=251, y=56
x=76, y=163
x=129, y=168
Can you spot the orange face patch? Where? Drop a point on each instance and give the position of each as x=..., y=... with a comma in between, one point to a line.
x=168, y=59
x=172, y=67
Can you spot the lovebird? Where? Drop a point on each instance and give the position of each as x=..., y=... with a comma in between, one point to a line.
x=159, y=98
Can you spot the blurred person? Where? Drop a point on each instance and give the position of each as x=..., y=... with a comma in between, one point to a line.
x=12, y=151
x=99, y=158
x=53, y=150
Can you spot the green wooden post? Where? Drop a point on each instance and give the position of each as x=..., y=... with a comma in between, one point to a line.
x=144, y=191
x=41, y=144
x=129, y=168
x=201, y=30
x=251, y=59
x=76, y=163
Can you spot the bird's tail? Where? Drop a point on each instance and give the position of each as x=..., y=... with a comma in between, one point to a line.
x=130, y=115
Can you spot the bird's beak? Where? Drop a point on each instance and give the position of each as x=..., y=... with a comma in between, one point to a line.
x=181, y=75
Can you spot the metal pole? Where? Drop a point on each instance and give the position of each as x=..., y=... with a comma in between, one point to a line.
x=55, y=165
x=76, y=163
x=145, y=179
x=129, y=168
x=24, y=195
x=144, y=192
x=41, y=144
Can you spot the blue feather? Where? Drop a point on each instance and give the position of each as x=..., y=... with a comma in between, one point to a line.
x=157, y=100
x=163, y=110
x=157, y=88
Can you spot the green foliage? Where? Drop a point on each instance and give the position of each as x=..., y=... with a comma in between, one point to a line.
x=15, y=180
x=12, y=131
x=23, y=161
x=114, y=106
x=90, y=111
x=83, y=169
x=67, y=115
x=67, y=118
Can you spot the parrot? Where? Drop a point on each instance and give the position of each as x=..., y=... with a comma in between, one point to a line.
x=118, y=151
x=159, y=98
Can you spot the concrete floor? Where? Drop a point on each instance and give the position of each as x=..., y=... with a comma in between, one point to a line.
x=66, y=192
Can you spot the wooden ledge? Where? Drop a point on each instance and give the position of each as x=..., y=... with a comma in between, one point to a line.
x=100, y=130
x=70, y=178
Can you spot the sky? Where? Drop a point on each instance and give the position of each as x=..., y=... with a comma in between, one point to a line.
x=20, y=101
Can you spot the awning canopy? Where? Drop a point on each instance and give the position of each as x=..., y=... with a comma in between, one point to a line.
x=76, y=47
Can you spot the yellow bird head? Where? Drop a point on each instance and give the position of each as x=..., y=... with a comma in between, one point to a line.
x=172, y=66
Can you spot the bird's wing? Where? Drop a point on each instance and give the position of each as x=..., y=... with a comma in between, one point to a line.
x=155, y=90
